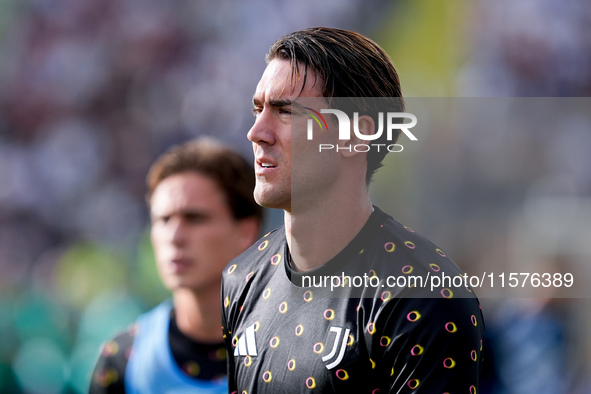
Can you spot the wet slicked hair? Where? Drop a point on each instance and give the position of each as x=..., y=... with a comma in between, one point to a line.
x=205, y=156
x=352, y=67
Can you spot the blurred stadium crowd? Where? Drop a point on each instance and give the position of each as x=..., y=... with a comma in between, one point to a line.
x=92, y=91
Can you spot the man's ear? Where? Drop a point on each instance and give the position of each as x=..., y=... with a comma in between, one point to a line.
x=351, y=147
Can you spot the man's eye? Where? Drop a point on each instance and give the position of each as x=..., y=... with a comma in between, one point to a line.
x=256, y=111
x=194, y=218
x=161, y=219
x=285, y=111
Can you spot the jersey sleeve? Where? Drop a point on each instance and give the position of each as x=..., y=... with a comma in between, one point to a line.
x=428, y=345
x=108, y=376
x=227, y=335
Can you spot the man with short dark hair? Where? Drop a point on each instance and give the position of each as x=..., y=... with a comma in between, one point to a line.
x=287, y=330
x=203, y=215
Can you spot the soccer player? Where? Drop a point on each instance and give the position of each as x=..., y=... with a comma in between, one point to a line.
x=203, y=215
x=284, y=332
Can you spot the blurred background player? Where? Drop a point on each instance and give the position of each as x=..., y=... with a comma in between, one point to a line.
x=203, y=214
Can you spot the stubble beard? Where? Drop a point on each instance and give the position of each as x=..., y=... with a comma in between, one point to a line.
x=272, y=196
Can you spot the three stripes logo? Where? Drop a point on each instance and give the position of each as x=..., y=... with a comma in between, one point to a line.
x=338, y=348
x=247, y=345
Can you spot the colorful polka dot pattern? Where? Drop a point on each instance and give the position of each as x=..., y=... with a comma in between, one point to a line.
x=298, y=333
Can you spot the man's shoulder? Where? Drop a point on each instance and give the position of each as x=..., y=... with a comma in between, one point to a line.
x=268, y=249
x=109, y=371
x=410, y=245
x=412, y=263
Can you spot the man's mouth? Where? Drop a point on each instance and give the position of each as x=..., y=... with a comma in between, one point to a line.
x=265, y=163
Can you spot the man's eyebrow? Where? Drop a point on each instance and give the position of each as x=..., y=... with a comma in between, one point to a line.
x=279, y=103
x=183, y=212
x=274, y=103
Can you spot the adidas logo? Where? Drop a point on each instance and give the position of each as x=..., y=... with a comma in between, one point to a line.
x=247, y=345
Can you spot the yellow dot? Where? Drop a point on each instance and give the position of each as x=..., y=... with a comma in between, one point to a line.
x=416, y=350
x=413, y=383
x=274, y=342
x=291, y=364
x=449, y=363
x=407, y=269
x=318, y=347
x=111, y=348
x=107, y=377
x=413, y=316
x=342, y=374
x=283, y=307
x=299, y=330
x=351, y=340
x=276, y=259
x=191, y=368
x=389, y=246
x=220, y=354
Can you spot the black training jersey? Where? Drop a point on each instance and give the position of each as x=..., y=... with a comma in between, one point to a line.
x=288, y=332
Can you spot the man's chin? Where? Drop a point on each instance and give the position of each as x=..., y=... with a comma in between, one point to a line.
x=269, y=200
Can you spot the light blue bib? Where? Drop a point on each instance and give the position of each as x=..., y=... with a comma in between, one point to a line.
x=151, y=367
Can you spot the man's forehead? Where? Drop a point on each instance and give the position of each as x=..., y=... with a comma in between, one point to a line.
x=280, y=83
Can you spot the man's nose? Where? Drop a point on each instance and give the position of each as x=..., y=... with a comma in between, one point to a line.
x=263, y=129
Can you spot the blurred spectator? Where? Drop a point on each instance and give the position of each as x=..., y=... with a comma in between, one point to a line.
x=203, y=214
x=532, y=48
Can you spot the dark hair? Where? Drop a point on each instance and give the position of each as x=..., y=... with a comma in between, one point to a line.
x=352, y=67
x=205, y=156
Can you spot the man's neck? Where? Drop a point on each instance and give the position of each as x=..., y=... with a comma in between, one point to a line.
x=318, y=233
x=198, y=316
